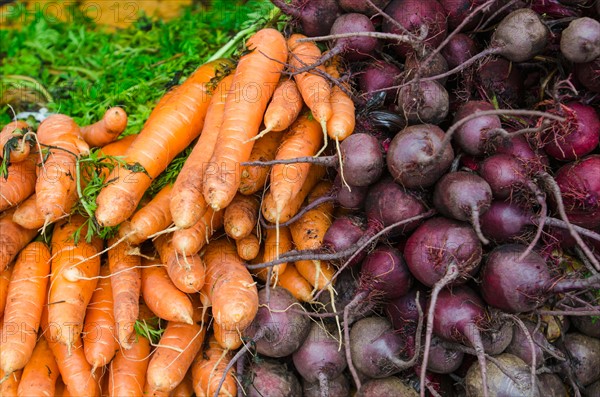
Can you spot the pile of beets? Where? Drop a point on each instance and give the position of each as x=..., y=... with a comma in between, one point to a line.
x=468, y=228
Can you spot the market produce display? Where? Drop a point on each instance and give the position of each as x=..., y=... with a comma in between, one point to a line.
x=323, y=198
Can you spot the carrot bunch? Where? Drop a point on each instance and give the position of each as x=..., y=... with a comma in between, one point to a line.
x=119, y=316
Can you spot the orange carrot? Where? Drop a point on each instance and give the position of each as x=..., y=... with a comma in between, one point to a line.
x=231, y=290
x=268, y=205
x=12, y=142
x=61, y=388
x=19, y=184
x=99, y=340
x=41, y=372
x=73, y=280
x=187, y=202
x=190, y=241
x=150, y=392
x=175, y=122
x=118, y=147
x=240, y=216
x=10, y=386
x=27, y=214
x=248, y=247
x=150, y=219
x=25, y=299
x=272, y=251
x=185, y=388
x=341, y=124
x=253, y=84
x=127, y=371
x=208, y=369
x=303, y=139
x=4, y=283
x=293, y=281
x=314, y=88
x=178, y=346
x=12, y=239
x=156, y=286
x=254, y=177
x=56, y=187
x=186, y=272
x=126, y=284
x=284, y=108
x=230, y=340
x=106, y=130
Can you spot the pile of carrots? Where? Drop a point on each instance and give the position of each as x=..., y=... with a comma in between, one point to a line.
x=71, y=311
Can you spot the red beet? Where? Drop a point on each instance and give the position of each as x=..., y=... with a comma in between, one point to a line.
x=472, y=135
x=459, y=49
x=378, y=75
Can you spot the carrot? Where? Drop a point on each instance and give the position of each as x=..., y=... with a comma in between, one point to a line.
x=186, y=272
x=73, y=280
x=303, y=139
x=187, y=202
x=284, y=108
x=25, y=299
x=126, y=284
x=150, y=392
x=230, y=340
x=190, y=241
x=10, y=386
x=208, y=369
x=106, y=130
x=175, y=122
x=4, y=283
x=256, y=76
x=268, y=205
x=248, y=247
x=27, y=214
x=41, y=372
x=12, y=144
x=341, y=124
x=314, y=88
x=185, y=388
x=253, y=178
x=19, y=183
x=13, y=238
x=231, y=289
x=99, y=340
x=240, y=216
x=61, y=388
x=178, y=346
x=293, y=281
x=148, y=220
x=56, y=186
x=127, y=371
x=272, y=251
x=118, y=147
x=157, y=286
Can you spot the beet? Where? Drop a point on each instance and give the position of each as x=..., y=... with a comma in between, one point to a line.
x=463, y=196
x=514, y=284
x=352, y=198
x=375, y=348
x=415, y=63
x=403, y=312
x=412, y=14
x=407, y=151
x=497, y=335
x=520, y=35
x=577, y=136
x=353, y=48
x=362, y=6
x=362, y=159
x=592, y=390
x=271, y=378
x=501, y=79
x=588, y=74
x=316, y=17
x=345, y=287
x=378, y=75
x=505, y=175
x=338, y=387
x=580, y=41
x=586, y=325
x=343, y=233
x=386, y=387
x=472, y=135
x=551, y=385
x=276, y=330
x=459, y=49
x=499, y=383
x=520, y=346
x=423, y=102
x=504, y=221
x=443, y=360
x=319, y=358
x=384, y=270
x=579, y=183
x=584, y=353
x=518, y=147
x=458, y=10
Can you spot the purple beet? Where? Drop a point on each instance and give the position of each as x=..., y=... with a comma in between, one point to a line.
x=584, y=354
x=403, y=312
x=501, y=79
x=362, y=159
x=472, y=135
x=518, y=147
x=463, y=196
x=515, y=285
x=362, y=6
x=458, y=10
x=588, y=74
x=343, y=233
x=316, y=17
x=271, y=378
x=443, y=360
x=353, y=198
x=423, y=102
x=459, y=49
x=378, y=75
x=407, y=151
x=521, y=347
x=415, y=63
x=505, y=174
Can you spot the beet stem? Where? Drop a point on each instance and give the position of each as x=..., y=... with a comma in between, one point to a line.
x=351, y=367
x=477, y=225
x=401, y=364
x=241, y=363
x=541, y=199
x=323, y=384
x=563, y=225
x=327, y=161
x=232, y=362
x=532, y=345
x=555, y=190
x=491, y=17
x=474, y=338
x=397, y=24
x=308, y=207
x=287, y=9
x=452, y=274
